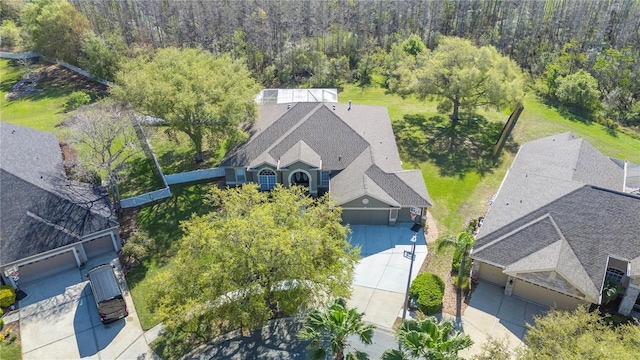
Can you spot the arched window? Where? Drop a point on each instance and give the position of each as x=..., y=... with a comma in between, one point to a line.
x=614, y=275
x=267, y=179
x=300, y=178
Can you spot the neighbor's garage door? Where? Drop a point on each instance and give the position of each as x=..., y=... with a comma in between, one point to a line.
x=45, y=267
x=366, y=217
x=544, y=296
x=98, y=246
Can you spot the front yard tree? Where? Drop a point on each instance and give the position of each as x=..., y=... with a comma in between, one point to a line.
x=462, y=245
x=196, y=93
x=461, y=76
x=105, y=132
x=580, y=335
x=328, y=331
x=258, y=256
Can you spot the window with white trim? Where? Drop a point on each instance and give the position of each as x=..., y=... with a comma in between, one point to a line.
x=614, y=275
x=240, y=175
x=267, y=179
x=324, y=179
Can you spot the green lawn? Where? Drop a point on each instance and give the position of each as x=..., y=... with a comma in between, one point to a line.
x=161, y=220
x=458, y=199
x=42, y=111
x=10, y=351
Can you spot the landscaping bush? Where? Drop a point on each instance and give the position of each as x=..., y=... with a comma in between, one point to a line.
x=2, y=325
x=429, y=289
x=7, y=296
x=462, y=283
x=77, y=99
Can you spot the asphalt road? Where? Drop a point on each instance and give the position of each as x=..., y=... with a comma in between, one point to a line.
x=278, y=340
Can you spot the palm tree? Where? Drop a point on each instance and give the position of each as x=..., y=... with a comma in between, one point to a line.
x=428, y=339
x=463, y=244
x=329, y=329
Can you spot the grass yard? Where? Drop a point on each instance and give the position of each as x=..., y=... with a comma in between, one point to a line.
x=42, y=111
x=458, y=199
x=161, y=220
x=10, y=351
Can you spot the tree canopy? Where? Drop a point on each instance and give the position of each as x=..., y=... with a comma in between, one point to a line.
x=55, y=28
x=195, y=92
x=461, y=76
x=580, y=334
x=260, y=255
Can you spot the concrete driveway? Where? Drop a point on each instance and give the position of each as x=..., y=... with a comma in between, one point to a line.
x=59, y=320
x=380, y=280
x=492, y=314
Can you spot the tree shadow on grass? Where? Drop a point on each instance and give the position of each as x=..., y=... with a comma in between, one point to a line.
x=139, y=176
x=455, y=148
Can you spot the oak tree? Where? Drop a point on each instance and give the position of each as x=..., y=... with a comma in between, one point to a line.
x=258, y=256
x=195, y=92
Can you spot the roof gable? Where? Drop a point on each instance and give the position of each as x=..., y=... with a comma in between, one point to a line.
x=300, y=152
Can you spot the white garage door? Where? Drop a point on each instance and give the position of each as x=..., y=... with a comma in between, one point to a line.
x=45, y=267
x=544, y=296
x=99, y=246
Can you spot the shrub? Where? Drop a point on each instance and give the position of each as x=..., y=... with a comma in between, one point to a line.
x=77, y=99
x=138, y=245
x=7, y=296
x=462, y=283
x=2, y=327
x=429, y=289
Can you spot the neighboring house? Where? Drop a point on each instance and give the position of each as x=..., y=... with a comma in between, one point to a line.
x=47, y=223
x=561, y=226
x=347, y=150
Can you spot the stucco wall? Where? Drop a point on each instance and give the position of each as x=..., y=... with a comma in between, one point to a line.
x=492, y=274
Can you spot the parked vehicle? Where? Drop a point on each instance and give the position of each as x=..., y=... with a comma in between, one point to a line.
x=107, y=293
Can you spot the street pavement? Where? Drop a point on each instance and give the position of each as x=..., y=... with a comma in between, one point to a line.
x=59, y=320
x=279, y=340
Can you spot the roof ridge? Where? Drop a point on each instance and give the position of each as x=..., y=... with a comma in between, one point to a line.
x=515, y=231
x=55, y=226
x=292, y=129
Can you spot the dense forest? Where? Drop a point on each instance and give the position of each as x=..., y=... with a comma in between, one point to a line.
x=328, y=42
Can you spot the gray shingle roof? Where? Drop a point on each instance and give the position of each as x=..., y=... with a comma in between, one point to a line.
x=595, y=223
x=358, y=143
x=39, y=209
x=300, y=152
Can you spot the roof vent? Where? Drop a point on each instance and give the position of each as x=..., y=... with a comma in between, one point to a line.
x=13, y=131
x=288, y=106
x=334, y=107
x=349, y=108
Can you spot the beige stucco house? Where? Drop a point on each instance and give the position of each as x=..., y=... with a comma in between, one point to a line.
x=346, y=150
x=561, y=226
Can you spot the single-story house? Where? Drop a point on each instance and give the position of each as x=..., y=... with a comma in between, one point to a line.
x=346, y=150
x=47, y=223
x=561, y=226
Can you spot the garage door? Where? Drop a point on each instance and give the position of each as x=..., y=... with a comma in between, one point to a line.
x=366, y=217
x=98, y=246
x=45, y=267
x=544, y=296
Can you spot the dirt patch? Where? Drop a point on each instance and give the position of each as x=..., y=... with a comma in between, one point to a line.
x=51, y=76
x=11, y=333
x=128, y=219
x=455, y=302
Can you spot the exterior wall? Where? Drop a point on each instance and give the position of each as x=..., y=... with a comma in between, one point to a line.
x=492, y=274
x=230, y=175
x=618, y=264
x=314, y=178
x=371, y=203
x=365, y=217
x=544, y=296
x=552, y=281
x=404, y=216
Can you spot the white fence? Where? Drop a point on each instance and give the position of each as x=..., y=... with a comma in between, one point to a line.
x=196, y=175
x=18, y=56
x=145, y=198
